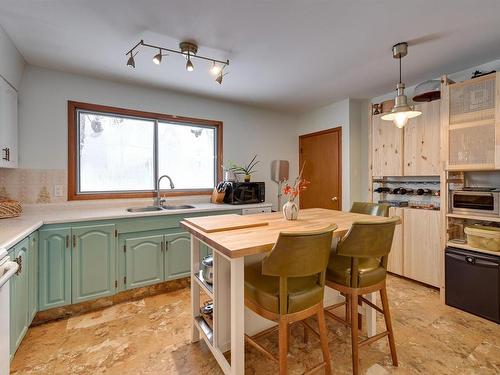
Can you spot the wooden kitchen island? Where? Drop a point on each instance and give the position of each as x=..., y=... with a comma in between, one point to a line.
x=236, y=240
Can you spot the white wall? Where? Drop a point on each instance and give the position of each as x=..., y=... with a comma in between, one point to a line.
x=11, y=61
x=43, y=119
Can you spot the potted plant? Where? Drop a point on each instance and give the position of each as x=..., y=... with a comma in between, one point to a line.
x=245, y=170
x=290, y=208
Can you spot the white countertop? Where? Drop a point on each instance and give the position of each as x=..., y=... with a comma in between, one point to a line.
x=34, y=216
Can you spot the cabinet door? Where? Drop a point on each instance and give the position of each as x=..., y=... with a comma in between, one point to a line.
x=144, y=260
x=19, y=296
x=387, y=148
x=422, y=245
x=33, y=276
x=177, y=255
x=421, y=141
x=8, y=126
x=395, y=261
x=93, y=262
x=54, y=268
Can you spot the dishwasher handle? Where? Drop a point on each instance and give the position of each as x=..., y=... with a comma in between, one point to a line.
x=10, y=270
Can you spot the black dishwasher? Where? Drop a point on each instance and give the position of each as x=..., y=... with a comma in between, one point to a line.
x=472, y=282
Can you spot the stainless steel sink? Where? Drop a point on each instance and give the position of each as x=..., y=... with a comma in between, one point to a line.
x=144, y=209
x=177, y=207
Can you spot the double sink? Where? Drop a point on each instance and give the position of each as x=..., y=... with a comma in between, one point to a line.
x=160, y=208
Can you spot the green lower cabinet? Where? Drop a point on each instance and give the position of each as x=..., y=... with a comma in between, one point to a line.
x=33, y=276
x=19, y=301
x=177, y=255
x=144, y=260
x=93, y=262
x=54, y=268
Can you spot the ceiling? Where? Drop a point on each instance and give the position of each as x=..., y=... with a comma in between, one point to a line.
x=290, y=55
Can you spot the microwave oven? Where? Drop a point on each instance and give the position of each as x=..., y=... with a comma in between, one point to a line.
x=484, y=203
x=245, y=192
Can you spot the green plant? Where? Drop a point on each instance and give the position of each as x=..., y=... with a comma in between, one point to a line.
x=245, y=169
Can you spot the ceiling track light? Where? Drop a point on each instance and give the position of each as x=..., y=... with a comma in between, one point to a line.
x=402, y=111
x=187, y=49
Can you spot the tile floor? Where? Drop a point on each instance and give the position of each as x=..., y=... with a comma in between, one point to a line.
x=151, y=336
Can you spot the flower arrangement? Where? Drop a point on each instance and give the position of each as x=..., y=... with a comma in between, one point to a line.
x=293, y=191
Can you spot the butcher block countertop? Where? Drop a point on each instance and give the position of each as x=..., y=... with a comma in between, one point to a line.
x=236, y=243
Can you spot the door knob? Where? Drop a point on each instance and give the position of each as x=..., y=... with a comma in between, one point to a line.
x=334, y=199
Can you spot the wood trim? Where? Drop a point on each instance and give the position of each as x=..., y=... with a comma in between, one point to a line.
x=321, y=132
x=73, y=106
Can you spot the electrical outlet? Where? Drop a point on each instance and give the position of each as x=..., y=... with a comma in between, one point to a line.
x=58, y=191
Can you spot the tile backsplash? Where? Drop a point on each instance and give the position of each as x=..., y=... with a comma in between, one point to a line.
x=33, y=185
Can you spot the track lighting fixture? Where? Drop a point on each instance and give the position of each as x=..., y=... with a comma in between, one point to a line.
x=187, y=49
x=157, y=58
x=402, y=111
x=189, y=64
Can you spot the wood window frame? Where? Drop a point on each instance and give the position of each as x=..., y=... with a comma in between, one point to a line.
x=73, y=108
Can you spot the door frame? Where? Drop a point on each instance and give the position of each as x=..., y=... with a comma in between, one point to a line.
x=338, y=130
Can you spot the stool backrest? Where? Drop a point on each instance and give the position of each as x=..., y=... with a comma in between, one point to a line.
x=298, y=254
x=368, y=208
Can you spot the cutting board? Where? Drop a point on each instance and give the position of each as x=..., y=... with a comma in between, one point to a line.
x=220, y=223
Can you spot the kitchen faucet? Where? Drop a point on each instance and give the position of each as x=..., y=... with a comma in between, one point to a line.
x=158, y=200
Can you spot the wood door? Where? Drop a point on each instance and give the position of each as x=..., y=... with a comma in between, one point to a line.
x=387, y=149
x=177, y=255
x=54, y=268
x=422, y=244
x=144, y=256
x=93, y=262
x=422, y=141
x=322, y=154
x=395, y=261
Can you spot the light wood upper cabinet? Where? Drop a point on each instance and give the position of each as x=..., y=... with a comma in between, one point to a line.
x=422, y=245
x=395, y=261
x=387, y=148
x=421, y=141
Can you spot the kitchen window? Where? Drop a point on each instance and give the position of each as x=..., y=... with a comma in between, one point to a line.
x=120, y=153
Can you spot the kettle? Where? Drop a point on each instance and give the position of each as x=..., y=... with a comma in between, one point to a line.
x=208, y=269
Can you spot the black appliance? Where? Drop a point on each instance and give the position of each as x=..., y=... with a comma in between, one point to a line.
x=245, y=192
x=472, y=282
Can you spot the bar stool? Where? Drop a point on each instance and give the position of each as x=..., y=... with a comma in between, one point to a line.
x=358, y=267
x=288, y=287
x=368, y=208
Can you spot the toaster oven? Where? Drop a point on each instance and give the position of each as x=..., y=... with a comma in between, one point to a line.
x=475, y=202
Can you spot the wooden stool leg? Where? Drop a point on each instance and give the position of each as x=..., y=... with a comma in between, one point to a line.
x=283, y=344
x=360, y=316
x=354, y=334
x=388, y=324
x=323, y=336
x=306, y=334
x=347, y=309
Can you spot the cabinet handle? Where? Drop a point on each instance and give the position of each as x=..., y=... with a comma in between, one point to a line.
x=67, y=241
x=74, y=241
x=6, y=151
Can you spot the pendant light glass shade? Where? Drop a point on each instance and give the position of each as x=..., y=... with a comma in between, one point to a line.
x=189, y=65
x=157, y=58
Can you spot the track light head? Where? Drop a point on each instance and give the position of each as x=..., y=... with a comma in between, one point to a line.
x=189, y=65
x=157, y=58
x=131, y=61
x=215, y=69
x=220, y=77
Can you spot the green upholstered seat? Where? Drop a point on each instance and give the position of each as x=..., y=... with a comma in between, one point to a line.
x=367, y=208
x=360, y=258
x=291, y=278
x=369, y=271
x=263, y=290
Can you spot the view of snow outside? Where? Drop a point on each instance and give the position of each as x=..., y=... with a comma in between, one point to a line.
x=117, y=154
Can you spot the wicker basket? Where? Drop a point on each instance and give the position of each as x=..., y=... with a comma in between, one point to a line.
x=9, y=208
x=483, y=237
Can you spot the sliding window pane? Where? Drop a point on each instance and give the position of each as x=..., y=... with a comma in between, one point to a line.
x=187, y=153
x=116, y=153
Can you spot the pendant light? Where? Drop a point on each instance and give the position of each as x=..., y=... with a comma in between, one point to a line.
x=189, y=64
x=401, y=112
